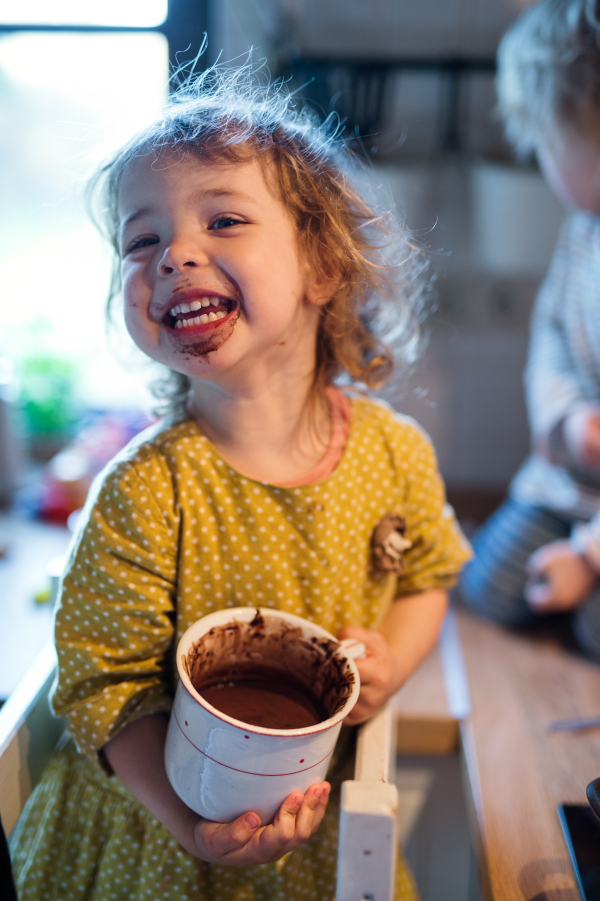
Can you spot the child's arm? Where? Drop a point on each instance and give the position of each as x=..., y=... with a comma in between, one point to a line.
x=408, y=632
x=559, y=407
x=136, y=755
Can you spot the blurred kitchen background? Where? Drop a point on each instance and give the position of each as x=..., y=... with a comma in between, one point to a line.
x=413, y=84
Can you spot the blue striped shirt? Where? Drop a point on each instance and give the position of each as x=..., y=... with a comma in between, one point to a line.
x=563, y=373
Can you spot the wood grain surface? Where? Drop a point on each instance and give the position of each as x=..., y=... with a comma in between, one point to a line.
x=518, y=771
x=424, y=722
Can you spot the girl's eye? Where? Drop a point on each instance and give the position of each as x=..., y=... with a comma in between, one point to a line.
x=225, y=222
x=146, y=241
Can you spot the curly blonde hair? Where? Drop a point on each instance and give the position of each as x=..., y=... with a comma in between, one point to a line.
x=373, y=318
x=549, y=72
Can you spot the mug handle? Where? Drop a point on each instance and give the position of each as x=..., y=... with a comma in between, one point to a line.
x=353, y=648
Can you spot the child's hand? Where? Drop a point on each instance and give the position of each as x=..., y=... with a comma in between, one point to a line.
x=582, y=434
x=379, y=676
x=246, y=843
x=559, y=578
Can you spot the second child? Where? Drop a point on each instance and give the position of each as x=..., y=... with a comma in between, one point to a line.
x=540, y=552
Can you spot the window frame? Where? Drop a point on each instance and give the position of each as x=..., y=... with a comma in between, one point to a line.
x=184, y=28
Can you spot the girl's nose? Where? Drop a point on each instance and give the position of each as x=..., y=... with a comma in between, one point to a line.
x=179, y=257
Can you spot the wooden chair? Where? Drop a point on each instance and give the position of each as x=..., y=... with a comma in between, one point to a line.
x=29, y=733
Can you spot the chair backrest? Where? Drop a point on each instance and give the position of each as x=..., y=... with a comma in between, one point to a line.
x=368, y=840
x=29, y=733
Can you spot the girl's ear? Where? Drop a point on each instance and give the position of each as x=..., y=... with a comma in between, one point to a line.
x=321, y=286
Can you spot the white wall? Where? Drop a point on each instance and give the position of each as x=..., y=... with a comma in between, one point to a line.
x=362, y=27
x=490, y=231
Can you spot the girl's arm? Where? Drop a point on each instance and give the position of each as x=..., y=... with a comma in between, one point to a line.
x=136, y=755
x=407, y=633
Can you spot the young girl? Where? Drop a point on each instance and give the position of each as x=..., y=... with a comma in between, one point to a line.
x=252, y=269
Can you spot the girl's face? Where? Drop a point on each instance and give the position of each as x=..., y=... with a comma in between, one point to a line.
x=214, y=282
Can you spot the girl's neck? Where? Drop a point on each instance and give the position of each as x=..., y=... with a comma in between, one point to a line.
x=274, y=433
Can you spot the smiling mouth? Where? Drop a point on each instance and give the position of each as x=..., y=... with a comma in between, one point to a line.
x=198, y=312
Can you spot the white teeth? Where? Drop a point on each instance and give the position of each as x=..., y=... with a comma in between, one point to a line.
x=181, y=308
x=197, y=320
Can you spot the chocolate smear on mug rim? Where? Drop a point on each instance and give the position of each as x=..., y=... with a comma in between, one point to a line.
x=269, y=645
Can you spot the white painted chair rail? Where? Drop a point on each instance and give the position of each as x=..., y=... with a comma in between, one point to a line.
x=29, y=733
x=368, y=817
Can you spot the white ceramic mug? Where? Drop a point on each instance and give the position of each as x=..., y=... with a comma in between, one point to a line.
x=222, y=767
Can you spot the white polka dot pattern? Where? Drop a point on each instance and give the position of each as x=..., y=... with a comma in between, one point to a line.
x=94, y=842
x=173, y=534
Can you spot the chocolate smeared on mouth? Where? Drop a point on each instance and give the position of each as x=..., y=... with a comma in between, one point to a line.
x=202, y=345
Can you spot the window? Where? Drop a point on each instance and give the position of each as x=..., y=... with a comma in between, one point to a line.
x=118, y=13
x=70, y=92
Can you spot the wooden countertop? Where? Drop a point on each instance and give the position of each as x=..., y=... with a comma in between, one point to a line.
x=518, y=772
x=425, y=723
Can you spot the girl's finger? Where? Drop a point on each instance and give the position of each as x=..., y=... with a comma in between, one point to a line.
x=312, y=811
x=367, y=669
x=284, y=823
x=228, y=837
x=274, y=838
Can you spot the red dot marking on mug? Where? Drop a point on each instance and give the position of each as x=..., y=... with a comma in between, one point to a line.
x=302, y=761
x=186, y=722
x=246, y=736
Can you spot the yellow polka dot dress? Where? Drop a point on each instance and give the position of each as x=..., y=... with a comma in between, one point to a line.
x=172, y=533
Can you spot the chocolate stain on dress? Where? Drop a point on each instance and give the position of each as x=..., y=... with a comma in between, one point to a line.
x=389, y=542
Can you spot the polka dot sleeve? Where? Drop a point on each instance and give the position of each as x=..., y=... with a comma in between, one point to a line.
x=439, y=549
x=114, y=623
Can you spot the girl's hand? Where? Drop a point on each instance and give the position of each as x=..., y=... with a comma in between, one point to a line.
x=380, y=677
x=246, y=843
x=559, y=578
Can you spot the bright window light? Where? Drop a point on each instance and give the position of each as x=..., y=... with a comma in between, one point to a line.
x=63, y=109
x=125, y=13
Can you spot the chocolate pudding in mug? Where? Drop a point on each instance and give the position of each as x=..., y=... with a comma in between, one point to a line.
x=264, y=673
x=257, y=712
